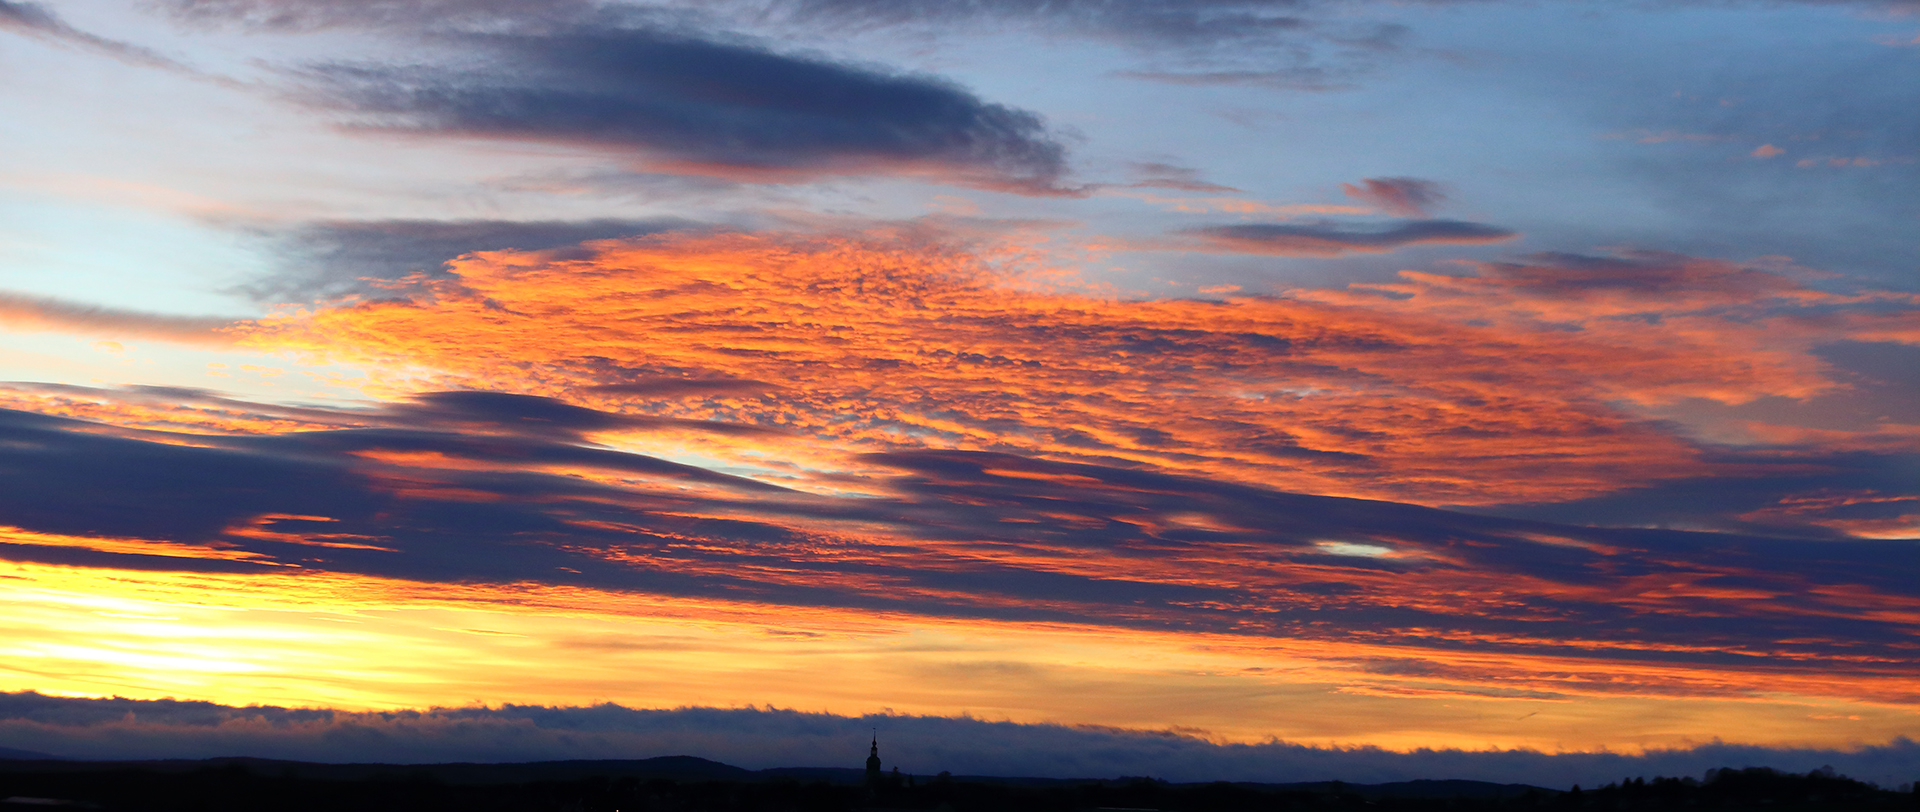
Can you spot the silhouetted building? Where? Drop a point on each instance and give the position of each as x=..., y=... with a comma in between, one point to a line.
x=873, y=762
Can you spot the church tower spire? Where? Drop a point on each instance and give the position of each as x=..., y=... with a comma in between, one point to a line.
x=873, y=761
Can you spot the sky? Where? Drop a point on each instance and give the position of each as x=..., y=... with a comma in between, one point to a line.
x=1256, y=389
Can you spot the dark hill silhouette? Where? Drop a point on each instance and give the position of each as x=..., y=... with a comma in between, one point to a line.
x=677, y=768
x=11, y=754
x=1420, y=788
x=692, y=768
x=690, y=784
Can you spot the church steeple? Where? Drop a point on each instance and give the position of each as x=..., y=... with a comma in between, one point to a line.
x=873, y=760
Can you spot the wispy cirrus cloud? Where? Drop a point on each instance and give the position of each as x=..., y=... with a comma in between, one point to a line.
x=1306, y=77
x=281, y=15
x=1286, y=44
x=679, y=103
x=33, y=313
x=1179, y=23
x=1200, y=23
x=1192, y=22
x=1167, y=176
x=36, y=20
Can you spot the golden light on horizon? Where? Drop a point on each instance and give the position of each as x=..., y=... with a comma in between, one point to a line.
x=358, y=643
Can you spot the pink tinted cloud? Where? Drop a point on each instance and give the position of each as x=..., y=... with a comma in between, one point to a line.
x=35, y=313
x=1400, y=197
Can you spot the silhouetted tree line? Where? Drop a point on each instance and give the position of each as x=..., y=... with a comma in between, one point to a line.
x=236, y=787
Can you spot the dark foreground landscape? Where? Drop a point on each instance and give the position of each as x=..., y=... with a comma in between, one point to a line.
x=686, y=783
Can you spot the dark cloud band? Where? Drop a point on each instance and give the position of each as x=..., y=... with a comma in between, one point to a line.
x=682, y=103
x=1330, y=240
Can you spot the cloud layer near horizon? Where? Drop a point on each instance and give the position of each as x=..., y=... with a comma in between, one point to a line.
x=501, y=489
x=768, y=738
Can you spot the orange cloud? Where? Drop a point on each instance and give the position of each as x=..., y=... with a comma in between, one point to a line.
x=127, y=546
x=1499, y=387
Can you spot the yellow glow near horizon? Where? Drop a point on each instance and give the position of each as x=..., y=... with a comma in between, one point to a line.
x=360, y=643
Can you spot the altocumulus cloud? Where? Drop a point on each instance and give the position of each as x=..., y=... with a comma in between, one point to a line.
x=763, y=738
x=680, y=103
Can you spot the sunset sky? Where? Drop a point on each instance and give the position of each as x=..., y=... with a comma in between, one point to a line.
x=1380, y=378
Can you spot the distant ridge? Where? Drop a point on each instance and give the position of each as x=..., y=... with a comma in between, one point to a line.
x=682, y=768
x=11, y=754
x=1421, y=788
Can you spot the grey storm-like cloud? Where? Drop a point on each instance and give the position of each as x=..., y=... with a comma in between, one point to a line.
x=970, y=535
x=331, y=258
x=766, y=738
x=1326, y=240
x=682, y=103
